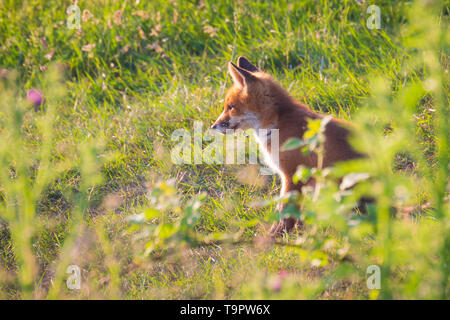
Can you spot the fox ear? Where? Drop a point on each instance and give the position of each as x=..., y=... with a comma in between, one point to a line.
x=243, y=63
x=241, y=77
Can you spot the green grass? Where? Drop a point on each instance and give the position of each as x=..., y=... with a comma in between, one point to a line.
x=160, y=67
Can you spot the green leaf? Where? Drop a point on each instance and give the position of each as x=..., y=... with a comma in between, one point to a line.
x=151, y=213
x=313, y=128
x=291, y=211
x=166, y=230
x=302, y=174
x=192, y=213
x=291, y=144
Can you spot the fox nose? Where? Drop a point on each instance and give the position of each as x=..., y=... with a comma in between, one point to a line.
x=214, y=126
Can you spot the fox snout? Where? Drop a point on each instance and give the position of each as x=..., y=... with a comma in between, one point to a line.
x=221, y=125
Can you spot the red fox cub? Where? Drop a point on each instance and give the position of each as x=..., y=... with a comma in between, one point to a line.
x=256, y=101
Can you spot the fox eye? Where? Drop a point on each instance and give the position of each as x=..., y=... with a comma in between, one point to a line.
x=230, y=107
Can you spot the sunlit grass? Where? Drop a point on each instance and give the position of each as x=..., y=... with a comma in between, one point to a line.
x=136, y=71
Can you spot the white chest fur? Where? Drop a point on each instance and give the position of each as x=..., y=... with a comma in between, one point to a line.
x=265, y=138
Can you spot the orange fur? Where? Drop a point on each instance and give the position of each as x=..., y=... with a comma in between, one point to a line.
x=258, y=102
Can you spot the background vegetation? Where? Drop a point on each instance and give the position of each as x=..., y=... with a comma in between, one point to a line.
x=86, y=177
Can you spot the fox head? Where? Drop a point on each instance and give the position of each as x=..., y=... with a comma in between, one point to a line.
x=252, y=101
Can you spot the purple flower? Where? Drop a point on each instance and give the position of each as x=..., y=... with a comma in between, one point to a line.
x=35, y=97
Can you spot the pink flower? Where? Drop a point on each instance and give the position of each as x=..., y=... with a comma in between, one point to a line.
x=35, y=97
x=282, y=274
x=277, y=284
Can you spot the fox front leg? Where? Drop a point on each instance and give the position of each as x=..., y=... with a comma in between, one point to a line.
x=285, y=225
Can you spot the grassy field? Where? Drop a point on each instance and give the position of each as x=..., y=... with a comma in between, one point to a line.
x=86, y=178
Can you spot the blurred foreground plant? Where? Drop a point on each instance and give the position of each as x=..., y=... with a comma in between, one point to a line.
x=168, y=223
x=404, y=249
x=29, y=167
